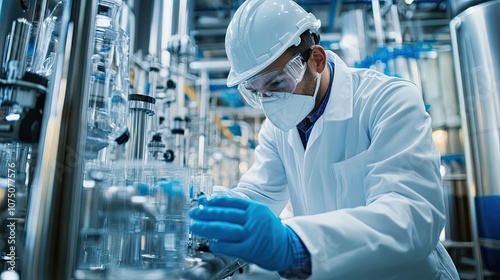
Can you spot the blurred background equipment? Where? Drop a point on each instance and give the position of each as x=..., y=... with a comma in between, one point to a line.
x=115, y=117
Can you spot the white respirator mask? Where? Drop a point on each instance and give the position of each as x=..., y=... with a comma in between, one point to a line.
x=287, y=113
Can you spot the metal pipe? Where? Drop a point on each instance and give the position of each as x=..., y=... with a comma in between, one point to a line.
x=181, y=104
x=53, y=218
x=184, y=15
x=398, y=37
x=204, y=104
x=377, y=21
x=127, y=22
x=183, y=52
x=141, y=108
x=471, y=190
x=156, y=31
x=167, y=30
x=204, y=94
x=180, y=131
x=137, y=145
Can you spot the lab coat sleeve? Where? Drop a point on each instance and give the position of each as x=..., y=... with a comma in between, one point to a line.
x=265, y=181
x=403, y=216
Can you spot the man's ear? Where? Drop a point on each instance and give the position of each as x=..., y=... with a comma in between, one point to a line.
x=318, y=57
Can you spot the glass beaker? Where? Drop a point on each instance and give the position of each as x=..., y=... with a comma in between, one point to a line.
x=200, y=184
x=142, y=218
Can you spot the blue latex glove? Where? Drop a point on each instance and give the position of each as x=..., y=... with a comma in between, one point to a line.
x=244, y=229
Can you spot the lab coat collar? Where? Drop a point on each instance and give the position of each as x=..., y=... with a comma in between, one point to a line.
x=340, y=105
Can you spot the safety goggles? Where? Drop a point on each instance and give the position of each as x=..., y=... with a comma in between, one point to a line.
x=277, y=84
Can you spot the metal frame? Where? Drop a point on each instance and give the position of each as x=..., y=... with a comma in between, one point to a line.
x=53, y=216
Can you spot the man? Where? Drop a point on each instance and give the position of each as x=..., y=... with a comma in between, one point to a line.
x=351, y=149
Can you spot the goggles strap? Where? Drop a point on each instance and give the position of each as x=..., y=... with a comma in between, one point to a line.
x=316, y=38
x=306, y=54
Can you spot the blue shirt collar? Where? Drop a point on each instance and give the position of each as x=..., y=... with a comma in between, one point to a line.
x=306, y=123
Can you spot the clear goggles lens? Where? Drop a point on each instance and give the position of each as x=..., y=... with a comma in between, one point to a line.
x=275, y=84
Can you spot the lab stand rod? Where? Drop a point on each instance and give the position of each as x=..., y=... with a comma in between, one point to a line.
x=181, y=104
x=204, y=94
x=204, y=104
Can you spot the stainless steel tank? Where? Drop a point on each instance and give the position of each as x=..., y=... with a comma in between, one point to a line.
x=477, y=56
x=455, y=7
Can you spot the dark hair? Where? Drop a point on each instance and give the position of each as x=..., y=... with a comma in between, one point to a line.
x=307, y=41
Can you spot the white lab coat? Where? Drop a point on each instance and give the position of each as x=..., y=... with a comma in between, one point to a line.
x=366, y=192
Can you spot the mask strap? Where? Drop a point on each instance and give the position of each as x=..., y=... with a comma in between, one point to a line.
x=318, y=81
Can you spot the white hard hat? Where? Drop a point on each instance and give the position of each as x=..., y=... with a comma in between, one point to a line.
x=261, y=31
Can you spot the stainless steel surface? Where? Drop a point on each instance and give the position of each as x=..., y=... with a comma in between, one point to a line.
x=22, y=99
x=475, y=44
x=478, y=45
x=209, y=266
x=138, y=131
x=471, y=192
x=52, y=230
x=146, y=107
x=457, y=6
